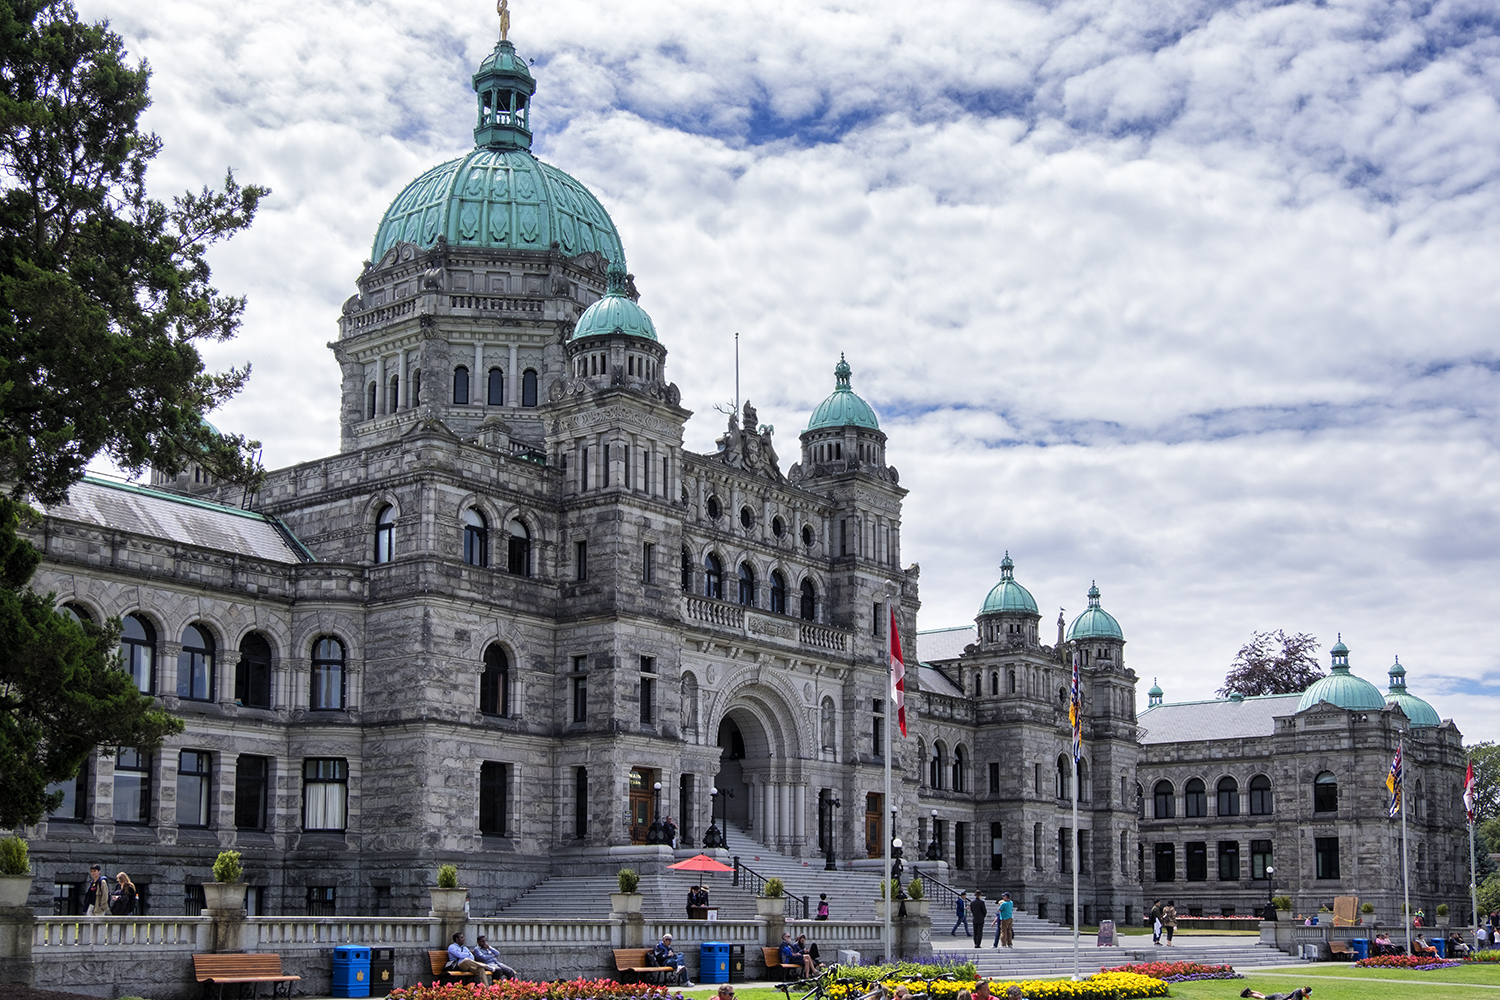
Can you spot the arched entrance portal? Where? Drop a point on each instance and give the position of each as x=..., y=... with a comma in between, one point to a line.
x=760, y=765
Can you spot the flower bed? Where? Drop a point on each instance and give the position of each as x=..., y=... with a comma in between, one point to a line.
x=520, y=989
x=1104, y=986
x=1490, y=956
x=1418, y=963
x=1178, y=972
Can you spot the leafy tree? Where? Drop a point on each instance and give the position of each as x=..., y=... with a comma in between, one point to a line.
x=1273, y=663
x=104, y=295
x=61, y=693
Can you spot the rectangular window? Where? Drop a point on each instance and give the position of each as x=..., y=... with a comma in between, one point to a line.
x=75, y=793
x=132, y=786
x=322, y=901
x=844, y=537
x=940, y=834
x=1229, y=861
x=994, y=777
x=67, y=899
x=960, y=841
x=1195, y=861
x=648, y=701
x=1326, y=852
x=997, y=847
x=1064, y=849
x=494, y=797
x=583, y=470
x=1260, y=858
x=1036, y=777
x=1166, y=863
x=252, y=780
x=192, y=788
x=580, y=693
x=325, y=793
x=604, y=466
x=877, y=730
x=877, y=620
x=193, y=899
x=252, y=679
x=581, y=802
x=581, y=559
x=648, y=563
x=629, y=467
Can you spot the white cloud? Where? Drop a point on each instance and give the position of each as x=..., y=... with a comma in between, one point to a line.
x=1194, y=299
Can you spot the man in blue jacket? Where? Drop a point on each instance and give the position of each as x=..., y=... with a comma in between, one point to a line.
x=961, y=908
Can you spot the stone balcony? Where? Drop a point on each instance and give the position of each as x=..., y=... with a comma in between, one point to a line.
x=759, y=624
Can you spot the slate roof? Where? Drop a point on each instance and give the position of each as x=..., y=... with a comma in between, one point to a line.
x=1221, y=719
x=188, y=520
x=944, y=643
x=935, y=682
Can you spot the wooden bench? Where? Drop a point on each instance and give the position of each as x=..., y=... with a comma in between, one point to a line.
x=241, y=971
x=632, y=962
x=1341, y=949
x=773, y=964
x=439, y=960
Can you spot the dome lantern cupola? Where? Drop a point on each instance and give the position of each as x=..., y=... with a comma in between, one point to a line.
x=505, y=88
x=1341, y=688
x=843, y=407
x=1155, y=695
x=1095, y=622
x=1009, y=614
x=843, y=434
x=1417, y=711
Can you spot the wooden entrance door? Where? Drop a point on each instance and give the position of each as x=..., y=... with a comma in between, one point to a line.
x=875, y=826
x=642, y=803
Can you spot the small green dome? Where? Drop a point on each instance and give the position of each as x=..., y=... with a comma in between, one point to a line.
x=1008, y=595
x=843, y=408
x=1341, y=688
x=615, y=313
x=1418, y=712
x=1155, y=690
x=1095, y=623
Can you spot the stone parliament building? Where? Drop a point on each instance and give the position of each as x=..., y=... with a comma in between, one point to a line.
x=513, y=623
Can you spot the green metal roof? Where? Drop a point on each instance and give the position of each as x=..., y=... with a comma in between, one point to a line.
x=1418, y=712
x=1094, y=623
x=615, y=313
x=1008, y=595
x=1341, y=688
x=843, y=408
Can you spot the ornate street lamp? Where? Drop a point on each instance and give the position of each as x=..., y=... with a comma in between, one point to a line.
x=657, y=833
x=828, y=803
x=934, y=851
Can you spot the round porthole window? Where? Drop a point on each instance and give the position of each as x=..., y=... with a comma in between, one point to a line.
x=778, y=527
x=747, y=517
x=807, y=534
x=713, y=508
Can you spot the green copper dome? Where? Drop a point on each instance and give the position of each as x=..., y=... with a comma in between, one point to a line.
x=1155, y=691
x=843, y=408
x=1095, y=623
x=499, y=196
x=1008, y=595
x=1341, y=688
x=614, y=313
x=1418, y=712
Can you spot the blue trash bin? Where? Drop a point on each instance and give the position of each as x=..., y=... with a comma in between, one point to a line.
x=1361, y=948
x=1441, y=945
x=351, y=971
x=713, y=962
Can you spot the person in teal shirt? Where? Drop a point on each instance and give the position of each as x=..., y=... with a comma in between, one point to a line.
x=1004, y=914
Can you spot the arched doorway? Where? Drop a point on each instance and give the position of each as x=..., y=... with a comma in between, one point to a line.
x=763, y=791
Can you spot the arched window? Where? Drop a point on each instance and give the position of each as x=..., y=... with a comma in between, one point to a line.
x=1229, y=797
x=713, y=577
x=370, y=396
x=138, y=649
x=385, y=534
x=416, y=387
x=393, y=395
x=77, y=612
x=747, y=585
x=1012, y=682
x=827, y=724
x=518, y=549
x=687, y=571
x=809, y=608
x=1260, y=795
x=460, y=386
x=921, y=762
x=1420, y=803
x=1325, y=793
x=252, y=678
x=1195, y=799
x=1140, y=801
x=960, y=770
x=1085, y=787
x=935, y=766
x=195, y=665
x=690, y=705
x=327, y=674
x=1164, y=800
x=778, y=593
x=528, y=387
x=994, y=682
x=1064, y=776
x=496, y=394
x=476, y=538
x=494, y=683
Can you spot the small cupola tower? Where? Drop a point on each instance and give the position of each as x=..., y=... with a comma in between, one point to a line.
x=1009, y=616
x=1155, y=695
x=843, y=434
x=1097, y=636
x=505, y=87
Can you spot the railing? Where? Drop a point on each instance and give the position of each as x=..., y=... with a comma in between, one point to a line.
x=557, y=931
x=690, y=932
x=272, y=933
x=823, y=638
x=715, y=613
x=831, y=932
x=793, y=907
x=187, y=934
x=382, y=314
x=494, y=303
x=764, y=623
x=938, y=892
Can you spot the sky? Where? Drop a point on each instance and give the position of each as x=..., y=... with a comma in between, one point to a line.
x=1195, y=300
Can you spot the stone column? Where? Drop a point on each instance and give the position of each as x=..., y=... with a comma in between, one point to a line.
x=799, y=803
x=382, y=405
x=514, y=378
x=479, y=382
x=783, y=811
x=768, y=814
x=403, y=392
x=17, y=926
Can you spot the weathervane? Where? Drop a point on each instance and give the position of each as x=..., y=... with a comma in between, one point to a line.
x=503, y=9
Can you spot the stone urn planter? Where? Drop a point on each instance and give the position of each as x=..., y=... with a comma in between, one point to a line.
x=625, y=902
x=1440, y=921
x=13, y=890
x=770, y=906
x=917, y=907
x=448, y=900
x=222, y=896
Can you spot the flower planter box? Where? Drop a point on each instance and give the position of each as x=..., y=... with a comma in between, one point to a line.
x=222, y=896
x=13, y=890
x=625, y=902
x=448, y=900
x=770, y=906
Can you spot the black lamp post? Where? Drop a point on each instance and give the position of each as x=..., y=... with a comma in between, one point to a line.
x=1270, y=913
x=828, y=804
x=656, y=834
x=934, y=850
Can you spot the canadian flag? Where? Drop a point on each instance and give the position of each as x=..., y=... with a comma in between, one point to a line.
x=1469, y=792
x=898, y=674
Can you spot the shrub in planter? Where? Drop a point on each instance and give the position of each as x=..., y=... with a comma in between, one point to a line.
x=914, y=888
x=1282, y=902
x=227, y=867
x=447, y=877
x=1367, y=908
x=774, y=888
x=15, y=857
x=630, y=880
x=1442, y=909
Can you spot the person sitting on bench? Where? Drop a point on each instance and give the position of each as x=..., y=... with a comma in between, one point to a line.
x=793, y=957
x=461, y=959
x=663, y=955
x=489, y=957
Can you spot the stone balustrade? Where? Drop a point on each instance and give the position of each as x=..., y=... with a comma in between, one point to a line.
x=760, y=624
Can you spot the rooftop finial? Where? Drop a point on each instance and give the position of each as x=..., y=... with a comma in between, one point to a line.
x=841, y=373
x=615, y=276
x=503, y=9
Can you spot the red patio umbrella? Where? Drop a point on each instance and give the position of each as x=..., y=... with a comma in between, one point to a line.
x=702, y=863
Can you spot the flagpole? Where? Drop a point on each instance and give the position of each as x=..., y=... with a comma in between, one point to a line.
x=1473, y=880
x=890, y=717
x=1405, y=877
x=1077, y=847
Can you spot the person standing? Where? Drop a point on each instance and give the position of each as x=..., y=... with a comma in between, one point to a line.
x=96, y=896
x=961, y=909
x=1169, y=920
x=978, y=910
x=822, y=906
x=122, y=900
x=1154, y=919
x=1004, y=927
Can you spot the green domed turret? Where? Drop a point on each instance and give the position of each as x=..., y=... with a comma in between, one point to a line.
x=1154, y=695
x=1095, y=622
x=1341, y=688
x=1418, y=712
x=615, y=313
x=843, y=408
x=1008, y=596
